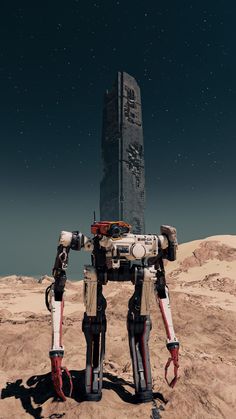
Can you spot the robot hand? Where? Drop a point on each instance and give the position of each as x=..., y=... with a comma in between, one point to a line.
x=57, y=374
x=173, y=348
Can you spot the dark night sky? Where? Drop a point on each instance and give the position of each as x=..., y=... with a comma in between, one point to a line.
x=56, y=60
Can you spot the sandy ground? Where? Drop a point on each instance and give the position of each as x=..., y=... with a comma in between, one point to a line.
x=202, y=285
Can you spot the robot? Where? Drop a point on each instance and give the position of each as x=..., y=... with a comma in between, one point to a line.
x=116, y=255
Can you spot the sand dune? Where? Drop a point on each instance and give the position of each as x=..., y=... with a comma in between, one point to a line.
x=202, y=284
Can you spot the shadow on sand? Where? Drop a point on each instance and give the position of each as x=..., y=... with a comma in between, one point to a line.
x=39, y=389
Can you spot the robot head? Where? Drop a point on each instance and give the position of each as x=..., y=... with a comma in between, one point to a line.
x=113, y=229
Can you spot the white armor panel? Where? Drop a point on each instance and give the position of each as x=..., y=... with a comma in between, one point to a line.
x=65, y=238
x=134, y=246
x=148, y=284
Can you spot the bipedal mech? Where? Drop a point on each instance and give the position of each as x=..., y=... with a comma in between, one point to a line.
x=117, y=255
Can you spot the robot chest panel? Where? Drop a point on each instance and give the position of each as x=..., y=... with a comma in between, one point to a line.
x=132, y=248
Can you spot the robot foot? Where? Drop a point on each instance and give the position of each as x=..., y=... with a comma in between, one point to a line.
x=93, y=397
x=61, y=377
x=144, y=396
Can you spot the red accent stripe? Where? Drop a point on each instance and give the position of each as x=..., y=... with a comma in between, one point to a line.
x=164, y=318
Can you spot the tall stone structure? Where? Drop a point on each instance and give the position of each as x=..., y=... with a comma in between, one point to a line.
x=122, y=189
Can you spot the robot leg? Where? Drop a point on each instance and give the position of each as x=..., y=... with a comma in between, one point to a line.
x=139, y=326
x=56, y=353
x=94, y=328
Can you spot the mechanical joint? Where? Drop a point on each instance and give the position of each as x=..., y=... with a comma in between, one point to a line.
x=172, y=345
x=77, y=241
x=56, y=353
x=161, y=285
x=59, y=284
x=171, y=234
x=94, y=326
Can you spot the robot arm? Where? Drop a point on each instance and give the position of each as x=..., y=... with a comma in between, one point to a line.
x=60, y=265
x=168, y=247
x=67, y=240
x=162, y=297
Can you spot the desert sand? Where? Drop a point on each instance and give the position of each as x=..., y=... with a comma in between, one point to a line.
x=202, y=285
